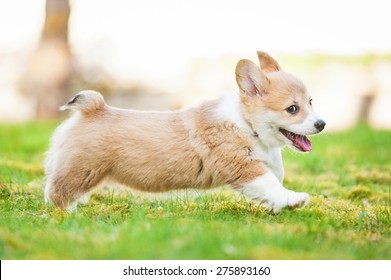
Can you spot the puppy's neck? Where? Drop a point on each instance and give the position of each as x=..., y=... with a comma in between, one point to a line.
x=229, y=109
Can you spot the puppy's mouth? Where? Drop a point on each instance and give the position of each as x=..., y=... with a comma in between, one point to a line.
x=300, y=142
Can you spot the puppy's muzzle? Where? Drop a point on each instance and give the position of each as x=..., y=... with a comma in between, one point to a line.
x=319, y=125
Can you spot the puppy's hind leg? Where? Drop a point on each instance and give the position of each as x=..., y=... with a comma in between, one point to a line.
x=66, y=186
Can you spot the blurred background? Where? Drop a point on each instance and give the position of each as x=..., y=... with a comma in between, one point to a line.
x=171, y=54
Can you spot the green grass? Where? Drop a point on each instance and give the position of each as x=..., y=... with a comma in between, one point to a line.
x=348, y=175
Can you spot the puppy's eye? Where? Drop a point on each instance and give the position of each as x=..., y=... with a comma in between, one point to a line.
x=311, y=101
x=293, y=109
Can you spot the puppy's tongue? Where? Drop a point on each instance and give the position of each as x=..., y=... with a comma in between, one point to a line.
x=302, y=142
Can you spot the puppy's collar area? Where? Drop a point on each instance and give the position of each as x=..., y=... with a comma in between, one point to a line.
x=254, y=132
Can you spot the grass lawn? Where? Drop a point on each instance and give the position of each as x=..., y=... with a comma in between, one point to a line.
x=348, y=176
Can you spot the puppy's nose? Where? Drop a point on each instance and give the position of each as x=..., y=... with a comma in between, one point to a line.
x=319, y=125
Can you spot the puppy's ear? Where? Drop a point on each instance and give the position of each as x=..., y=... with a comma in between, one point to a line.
x=250, y=79
x=267, y=63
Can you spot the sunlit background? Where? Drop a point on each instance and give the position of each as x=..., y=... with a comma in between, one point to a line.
x=170, y=54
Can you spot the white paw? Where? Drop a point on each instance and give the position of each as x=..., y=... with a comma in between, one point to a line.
x=297, y=199
x=288, y=199
x=72, y=207
x=83, y=200
x=268, y=192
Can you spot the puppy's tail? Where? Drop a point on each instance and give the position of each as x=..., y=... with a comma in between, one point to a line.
x=86, y=101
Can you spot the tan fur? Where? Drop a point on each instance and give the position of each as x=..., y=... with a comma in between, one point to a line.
x=161, y=151
x=267, y=63
x=150, y=151
x=276, y=89
x=282, y=91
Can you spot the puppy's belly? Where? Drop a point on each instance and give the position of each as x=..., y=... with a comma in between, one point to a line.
x=151, y=183
x=161, y=171
x=156, y=179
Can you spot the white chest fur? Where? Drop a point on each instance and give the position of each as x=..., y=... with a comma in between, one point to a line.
x=230, y=110
x=273, y=160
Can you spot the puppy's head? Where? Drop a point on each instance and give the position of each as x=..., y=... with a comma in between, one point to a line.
x=276, y=104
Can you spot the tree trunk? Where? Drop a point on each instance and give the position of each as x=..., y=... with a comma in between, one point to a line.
x=49, y=71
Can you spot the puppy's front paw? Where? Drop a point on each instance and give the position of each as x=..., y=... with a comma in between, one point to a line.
x=297, y=199
x=268, y=192
x=289, y=199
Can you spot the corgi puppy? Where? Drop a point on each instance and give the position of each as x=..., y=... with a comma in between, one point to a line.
x=236, y=140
